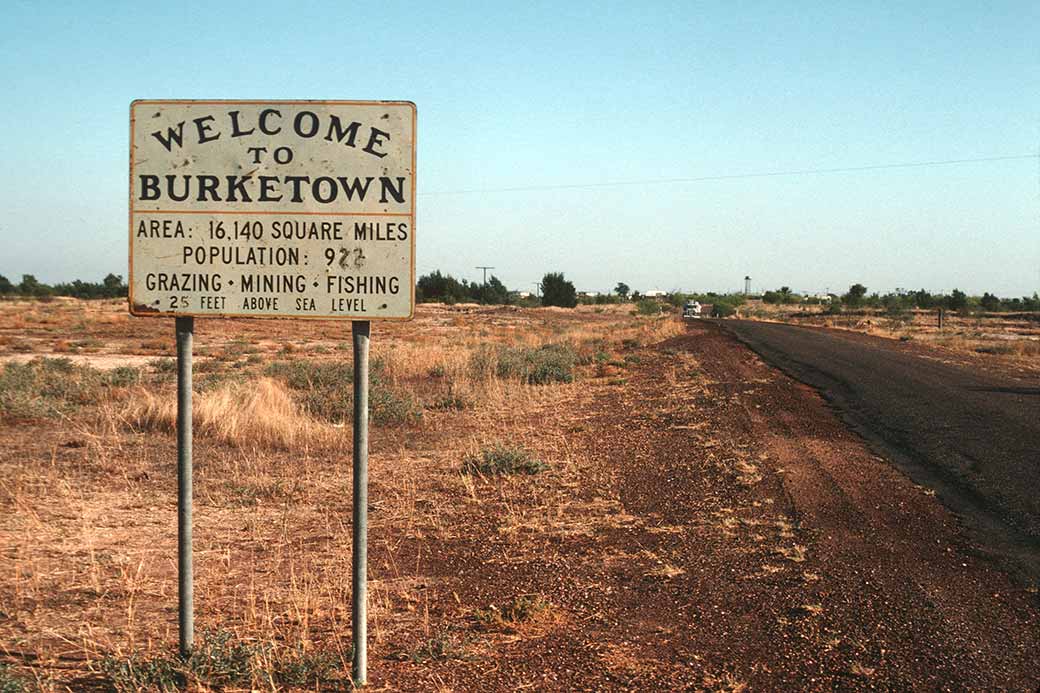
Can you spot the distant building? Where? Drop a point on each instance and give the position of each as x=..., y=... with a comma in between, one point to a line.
x=588, y=294
x=655, y=293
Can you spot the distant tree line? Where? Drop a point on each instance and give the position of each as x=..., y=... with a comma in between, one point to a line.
x=111, y=286
x=437, y=287
x=956, y=300
x=444, y=288
x=857, y=297
x=557, y=290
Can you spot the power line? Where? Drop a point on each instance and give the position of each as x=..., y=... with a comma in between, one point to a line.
x=734, y=176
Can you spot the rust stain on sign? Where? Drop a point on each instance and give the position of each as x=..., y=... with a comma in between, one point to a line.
x=272, y=209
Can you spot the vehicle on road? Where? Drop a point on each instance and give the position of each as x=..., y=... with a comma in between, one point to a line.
x=691, y=310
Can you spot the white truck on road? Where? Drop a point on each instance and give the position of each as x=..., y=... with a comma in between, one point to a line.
x=691, y=310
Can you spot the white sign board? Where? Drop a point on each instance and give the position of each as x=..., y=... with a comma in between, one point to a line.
x=272, y=209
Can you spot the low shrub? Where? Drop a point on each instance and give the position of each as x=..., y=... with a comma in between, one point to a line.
x=308, y=375
x=326, y=391
x=221, y=661
x=389, y=406
x=47, y=387
x=124, y=376
x=451, y=399
x=502, y=459
x=163, y=365
x=442, y=646
x=549, y=363
x=648, y=307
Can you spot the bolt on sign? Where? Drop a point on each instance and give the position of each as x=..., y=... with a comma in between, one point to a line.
x=272, y=209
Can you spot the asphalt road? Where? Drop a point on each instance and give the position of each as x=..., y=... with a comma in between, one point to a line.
x=973, y=437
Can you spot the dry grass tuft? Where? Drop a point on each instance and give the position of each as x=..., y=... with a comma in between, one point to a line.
x=258, y=413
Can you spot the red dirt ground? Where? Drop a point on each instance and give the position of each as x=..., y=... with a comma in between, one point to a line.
x=746, y=538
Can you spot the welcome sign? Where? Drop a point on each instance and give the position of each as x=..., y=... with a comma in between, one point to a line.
x=272, y=209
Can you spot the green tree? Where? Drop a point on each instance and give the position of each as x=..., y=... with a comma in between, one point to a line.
x=721, y=309
x=495, y=291
x=622, y=289
x=923, y=299
x=989, y=302
x=113, y=286
x=557, y=291
x=30, y=286
x=6, y=287
x=854, y=298
x=439, y=287
x=957, y=300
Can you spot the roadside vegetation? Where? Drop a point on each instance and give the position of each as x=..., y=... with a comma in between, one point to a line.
x=90, y=442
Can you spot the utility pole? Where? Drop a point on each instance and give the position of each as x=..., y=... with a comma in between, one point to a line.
x=483, y=291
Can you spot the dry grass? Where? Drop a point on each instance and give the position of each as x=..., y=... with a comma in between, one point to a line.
x=87, y=517
x=255, y=414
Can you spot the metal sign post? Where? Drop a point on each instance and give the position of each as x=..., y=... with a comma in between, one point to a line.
x=185, y=328
x=359, y=575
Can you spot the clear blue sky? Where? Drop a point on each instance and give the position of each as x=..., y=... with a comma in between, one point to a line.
x=549, y=93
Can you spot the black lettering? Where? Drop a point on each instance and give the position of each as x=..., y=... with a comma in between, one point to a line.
x=236, y=187
x=336, y=125
x=171, y=136
x=235, y=130
x=172, y=194
x=263, y=121
x=267, y=186
x=356, y=187
x=388, y=187
x=149, y=187
x=296, y=181
x=373, y=140
x=316, y=189
x=204, y=128
x=208, y=184
x=298, y=124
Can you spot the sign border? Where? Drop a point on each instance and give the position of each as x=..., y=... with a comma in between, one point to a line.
x=143, y=311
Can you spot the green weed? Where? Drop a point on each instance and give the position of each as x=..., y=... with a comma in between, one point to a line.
x=221, y=661
x=47, y=387
x=502, y=459
x=537, y=366
x=9, y=682
x=325, y=389
x=441, y=646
